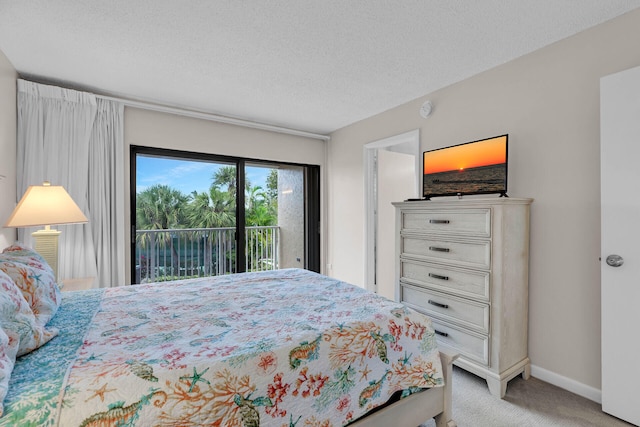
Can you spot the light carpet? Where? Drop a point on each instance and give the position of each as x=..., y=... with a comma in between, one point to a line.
x=530, y=403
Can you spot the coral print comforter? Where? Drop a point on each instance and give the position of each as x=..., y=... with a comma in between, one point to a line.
x=282, y=348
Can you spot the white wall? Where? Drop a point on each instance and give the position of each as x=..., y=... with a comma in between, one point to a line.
x=153, y=129
x=8, y=77
x=548, y=102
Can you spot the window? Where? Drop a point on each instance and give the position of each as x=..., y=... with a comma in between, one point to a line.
x=189, y=215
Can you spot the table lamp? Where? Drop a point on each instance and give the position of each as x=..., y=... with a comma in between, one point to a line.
x=46, y=205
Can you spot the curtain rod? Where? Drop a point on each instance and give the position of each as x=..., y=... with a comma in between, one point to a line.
x=215, y=118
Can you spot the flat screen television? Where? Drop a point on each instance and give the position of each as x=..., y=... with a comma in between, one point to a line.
x=477, y=167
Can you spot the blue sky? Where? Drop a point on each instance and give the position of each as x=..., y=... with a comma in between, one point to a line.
x=186, y=175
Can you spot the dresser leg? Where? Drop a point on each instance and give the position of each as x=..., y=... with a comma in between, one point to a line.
x=497, y=388
x=526, y=374
x=498, y=384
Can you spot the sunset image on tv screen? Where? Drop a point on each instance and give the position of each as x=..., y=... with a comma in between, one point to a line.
x=472, y=168
x=483, y=153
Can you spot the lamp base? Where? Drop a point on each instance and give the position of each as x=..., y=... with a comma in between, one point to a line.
x=46, y=244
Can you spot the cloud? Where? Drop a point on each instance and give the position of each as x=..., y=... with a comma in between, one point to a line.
x=183, y=175
x=186, y=175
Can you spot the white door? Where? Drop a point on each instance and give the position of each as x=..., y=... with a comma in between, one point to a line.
x=620, y=228
x=396, y=182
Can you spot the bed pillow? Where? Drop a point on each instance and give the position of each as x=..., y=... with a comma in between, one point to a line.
x=35, y=278
x=20, y=333
x=8, y=352
x=18, y=321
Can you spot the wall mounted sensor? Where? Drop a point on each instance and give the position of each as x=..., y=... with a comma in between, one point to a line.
x=426, y=109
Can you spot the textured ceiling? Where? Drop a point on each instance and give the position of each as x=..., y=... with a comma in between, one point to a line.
x=312, y=65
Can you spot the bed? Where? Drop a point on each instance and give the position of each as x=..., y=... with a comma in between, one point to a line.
x=280, y=348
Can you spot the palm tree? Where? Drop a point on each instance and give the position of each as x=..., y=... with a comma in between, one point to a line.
x=214, y=209
x=211, y=210
x=161, y=207
x=272, y=185
x=258, y=213
x=272, y=194
x=254, y=195
x=226, y=177
x=258, y=210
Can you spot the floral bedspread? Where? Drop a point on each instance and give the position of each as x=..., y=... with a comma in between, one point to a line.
x=38, y=377
x=282, y=348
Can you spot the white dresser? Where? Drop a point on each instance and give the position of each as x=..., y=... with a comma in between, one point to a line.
x=464, y=263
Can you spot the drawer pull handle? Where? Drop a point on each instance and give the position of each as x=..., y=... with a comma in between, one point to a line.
x=442, y=334
x=438, y=249
x=437, y=276
x=438, y=304
x=438, y=221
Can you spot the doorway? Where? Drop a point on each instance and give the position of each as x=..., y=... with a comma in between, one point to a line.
x=392, y=168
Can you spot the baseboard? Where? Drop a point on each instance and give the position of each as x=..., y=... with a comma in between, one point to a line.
x=568, y=384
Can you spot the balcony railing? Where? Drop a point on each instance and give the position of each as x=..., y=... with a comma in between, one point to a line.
x=199, y=252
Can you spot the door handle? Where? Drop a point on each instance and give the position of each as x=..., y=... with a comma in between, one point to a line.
x=615, y=260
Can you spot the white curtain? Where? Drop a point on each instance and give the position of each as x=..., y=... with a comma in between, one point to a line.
x=106, y=187
x=57, y=142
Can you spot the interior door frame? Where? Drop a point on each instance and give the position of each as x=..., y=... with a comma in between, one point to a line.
x=408, y=143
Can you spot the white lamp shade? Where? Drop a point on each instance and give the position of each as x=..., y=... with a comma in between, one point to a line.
x=45, y=205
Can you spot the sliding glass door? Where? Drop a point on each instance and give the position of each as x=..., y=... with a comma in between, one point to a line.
x=190, y=215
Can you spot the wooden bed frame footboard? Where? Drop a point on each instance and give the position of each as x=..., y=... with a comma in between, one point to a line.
x=419, y=407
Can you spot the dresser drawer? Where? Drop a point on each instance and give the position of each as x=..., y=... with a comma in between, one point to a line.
x=474, y=284
x=471, y=254
x=472, y=346
x=468, y=222
x=467, y=313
